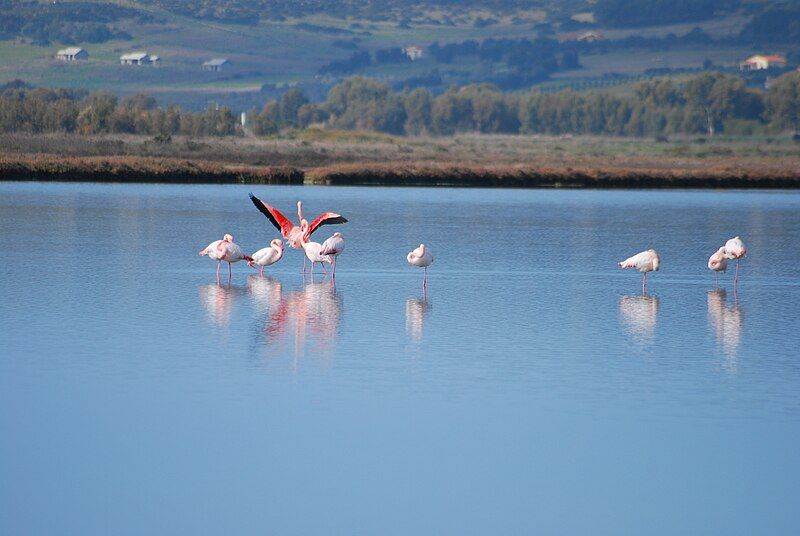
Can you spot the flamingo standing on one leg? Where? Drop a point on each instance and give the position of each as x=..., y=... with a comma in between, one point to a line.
x=734, y=249
x=333, y=247
x=718, y=262
x=268, y=255
x=646, y=261
x=225, y=250
x=296, y=235
x=314, y=253
x=421, y=257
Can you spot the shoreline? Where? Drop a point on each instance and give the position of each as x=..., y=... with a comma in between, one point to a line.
x=166, y=170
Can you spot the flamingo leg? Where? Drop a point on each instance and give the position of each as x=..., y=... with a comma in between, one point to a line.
x=230, y=274
x=334, y=267
x=644, y=283
x=304, y=264
x=716, y=279
x=324, y=269
x=261, y=272
x=312, y=269
x=736, y=277
x=218, y=263
x=425, y=278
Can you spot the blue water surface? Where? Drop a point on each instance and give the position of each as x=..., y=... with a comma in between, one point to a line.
x=532, y=389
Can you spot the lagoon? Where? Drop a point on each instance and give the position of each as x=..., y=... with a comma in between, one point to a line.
x=531, y=389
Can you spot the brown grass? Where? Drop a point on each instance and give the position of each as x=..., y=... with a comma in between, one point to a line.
x=138, y=169
x=364, y=158
x=525, y=176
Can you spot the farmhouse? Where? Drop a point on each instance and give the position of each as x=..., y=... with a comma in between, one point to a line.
x=138, y=58
x=413, y=52
x=760, y=62
x=72, y=54
x=215, y=64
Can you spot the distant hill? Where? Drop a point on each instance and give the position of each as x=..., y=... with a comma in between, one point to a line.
x=274, y=45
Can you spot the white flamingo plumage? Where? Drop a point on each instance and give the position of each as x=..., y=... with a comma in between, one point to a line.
x=267, y=256
x=718, y=262
x=225, y=250
x=735, y=250
x=646, y=261
x=421, y=257
x=332, y=248
x=313, y=252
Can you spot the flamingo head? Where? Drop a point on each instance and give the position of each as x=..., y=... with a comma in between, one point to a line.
x=337, y=235
x=277, y=243
x=656, y=263
x=227, y=238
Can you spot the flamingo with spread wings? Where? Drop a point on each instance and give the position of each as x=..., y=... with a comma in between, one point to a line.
x=296, y=235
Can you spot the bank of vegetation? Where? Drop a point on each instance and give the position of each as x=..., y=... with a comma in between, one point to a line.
x=708, y=103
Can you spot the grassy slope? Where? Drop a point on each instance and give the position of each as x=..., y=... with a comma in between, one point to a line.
x=280, y=53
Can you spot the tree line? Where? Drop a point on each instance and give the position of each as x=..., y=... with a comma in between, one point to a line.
x=708, y=103
x=64, y=22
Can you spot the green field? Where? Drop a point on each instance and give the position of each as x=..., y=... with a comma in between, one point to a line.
x=282, y=53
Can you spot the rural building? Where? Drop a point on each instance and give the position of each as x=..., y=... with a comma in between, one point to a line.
x=413, y=52
x=72, y=54
x=760, y=62
x=589, y=36
x=215, y=64
x=139, y=58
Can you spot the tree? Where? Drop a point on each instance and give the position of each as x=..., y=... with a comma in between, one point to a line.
x=96, y=113
x=783, y=102
x=418, y=106
x=288, y=105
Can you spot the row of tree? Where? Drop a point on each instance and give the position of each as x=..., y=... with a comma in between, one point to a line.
x=706, y=103
x=35, y=110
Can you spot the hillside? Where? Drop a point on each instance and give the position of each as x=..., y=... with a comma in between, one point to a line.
x=313, y=45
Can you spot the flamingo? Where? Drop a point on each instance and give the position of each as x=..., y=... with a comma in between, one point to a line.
x=646, y=261
x=314, y=253
x=296, y=235
x=268, y=255
x=333, y=247
x=225, y=250
x=734, y=249
x=718, y=262
x=421, y=258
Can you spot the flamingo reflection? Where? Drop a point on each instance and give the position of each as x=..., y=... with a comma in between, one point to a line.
x=727, y=323
x=218, y=301
x=639, y=315
x=416, y=311
x=309, y=317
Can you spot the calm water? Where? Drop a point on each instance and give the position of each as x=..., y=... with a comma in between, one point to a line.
x=534, y=390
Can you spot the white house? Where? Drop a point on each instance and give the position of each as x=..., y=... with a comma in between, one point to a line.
x=761, y=61
x=72, y=54
x=215, y=64
x=413, y=52
x=138, y=58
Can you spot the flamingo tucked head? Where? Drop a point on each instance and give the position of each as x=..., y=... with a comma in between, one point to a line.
x=227, y=238
x=656, y=260
x=277, y=243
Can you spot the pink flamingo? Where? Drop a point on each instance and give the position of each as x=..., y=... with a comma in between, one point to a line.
x=225, y=250
x=718, y=263
x=296, y=235
x=421, y=257
x=267, y=256
x=333, y=247
x=646, y=261
x=734, y=249
x=314, y=253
